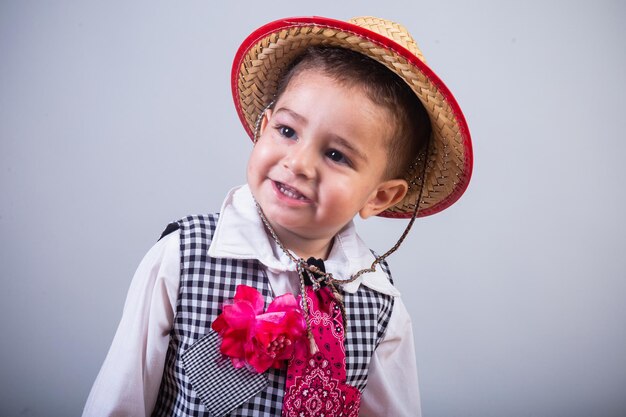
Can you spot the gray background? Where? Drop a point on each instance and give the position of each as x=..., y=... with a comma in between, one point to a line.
x=116, y=117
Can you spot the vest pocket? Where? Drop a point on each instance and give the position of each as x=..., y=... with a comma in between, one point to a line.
x=220, y=386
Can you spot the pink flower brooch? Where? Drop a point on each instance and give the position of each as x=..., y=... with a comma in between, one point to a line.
x=255, y=338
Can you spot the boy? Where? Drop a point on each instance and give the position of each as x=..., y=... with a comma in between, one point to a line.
x=345, y=120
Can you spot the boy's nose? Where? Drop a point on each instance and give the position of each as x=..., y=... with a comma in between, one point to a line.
x=301, y=160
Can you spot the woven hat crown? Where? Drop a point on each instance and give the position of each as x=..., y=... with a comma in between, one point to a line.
x=392, y=30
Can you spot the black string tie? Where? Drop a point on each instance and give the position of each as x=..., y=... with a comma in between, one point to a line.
x=317, y=276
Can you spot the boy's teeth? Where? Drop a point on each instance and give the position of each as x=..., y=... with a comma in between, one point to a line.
x=289, y=192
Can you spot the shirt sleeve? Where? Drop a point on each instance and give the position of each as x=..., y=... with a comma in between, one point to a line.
x=392, y=388
x=129, y=380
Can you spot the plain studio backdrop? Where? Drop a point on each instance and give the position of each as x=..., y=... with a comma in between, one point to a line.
x=116, y=118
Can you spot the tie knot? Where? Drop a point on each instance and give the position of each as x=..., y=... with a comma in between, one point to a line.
x=316, y=270
x=317, y=263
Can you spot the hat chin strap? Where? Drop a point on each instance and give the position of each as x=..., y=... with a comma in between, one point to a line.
x=257, y=124
x=327, y=276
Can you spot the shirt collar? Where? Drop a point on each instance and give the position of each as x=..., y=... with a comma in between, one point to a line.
x=240, y=234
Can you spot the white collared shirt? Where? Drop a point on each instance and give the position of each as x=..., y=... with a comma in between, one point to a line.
x=129, y=380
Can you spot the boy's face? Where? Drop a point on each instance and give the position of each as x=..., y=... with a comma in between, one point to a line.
x=321, y=157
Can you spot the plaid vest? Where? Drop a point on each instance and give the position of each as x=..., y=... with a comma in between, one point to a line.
x=205, y=283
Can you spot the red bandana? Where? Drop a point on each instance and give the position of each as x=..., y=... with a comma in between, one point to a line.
x=316, y=384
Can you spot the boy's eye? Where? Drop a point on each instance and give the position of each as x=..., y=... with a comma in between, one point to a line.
x=337, y=156
x=287, y=132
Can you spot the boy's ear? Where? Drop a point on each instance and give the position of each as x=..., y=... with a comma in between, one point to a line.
x=386, y=195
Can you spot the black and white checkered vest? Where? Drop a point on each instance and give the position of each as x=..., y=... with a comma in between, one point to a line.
x=206, y=282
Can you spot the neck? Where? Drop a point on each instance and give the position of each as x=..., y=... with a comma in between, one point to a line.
x=304, y=247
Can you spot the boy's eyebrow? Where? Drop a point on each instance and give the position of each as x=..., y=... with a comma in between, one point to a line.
x=293, y=114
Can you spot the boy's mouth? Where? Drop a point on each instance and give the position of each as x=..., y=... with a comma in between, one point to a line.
x=289, y=192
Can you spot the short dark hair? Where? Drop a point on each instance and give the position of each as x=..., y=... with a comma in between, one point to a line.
x=382, y=86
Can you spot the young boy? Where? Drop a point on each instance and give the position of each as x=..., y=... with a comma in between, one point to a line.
x=346, y=119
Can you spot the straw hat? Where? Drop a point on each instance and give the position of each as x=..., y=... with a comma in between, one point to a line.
x=264, y=55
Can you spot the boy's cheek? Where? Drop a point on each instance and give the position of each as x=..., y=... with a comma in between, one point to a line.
x=256, y=169
x=250, y=177
x=253, y=158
